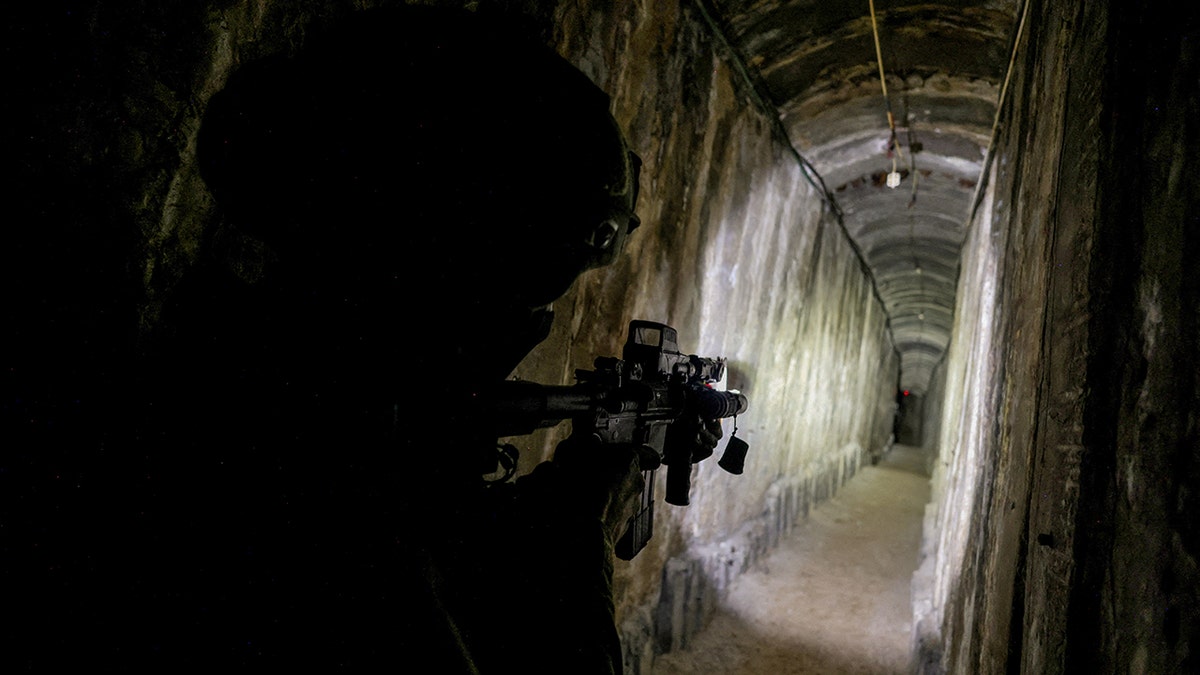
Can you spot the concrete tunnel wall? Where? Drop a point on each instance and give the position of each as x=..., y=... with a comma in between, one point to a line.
x=736, y=251
x=1062, y=534
x=1062, y=537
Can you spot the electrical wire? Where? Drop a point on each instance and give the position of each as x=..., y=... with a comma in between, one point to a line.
x=989, y=154
x=811, y=175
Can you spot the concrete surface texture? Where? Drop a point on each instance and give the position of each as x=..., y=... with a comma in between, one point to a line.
x=1063, y=527
x=1031, y=280
x=740, y=253
x=834, y=597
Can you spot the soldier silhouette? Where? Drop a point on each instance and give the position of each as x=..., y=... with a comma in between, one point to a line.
x=418, y=186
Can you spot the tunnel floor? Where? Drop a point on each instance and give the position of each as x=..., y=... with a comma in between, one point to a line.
x=834, y=597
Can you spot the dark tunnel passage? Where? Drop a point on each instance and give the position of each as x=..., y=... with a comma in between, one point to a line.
x=955, y=237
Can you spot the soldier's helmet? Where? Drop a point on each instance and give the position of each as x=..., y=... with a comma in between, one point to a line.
x=420, y=139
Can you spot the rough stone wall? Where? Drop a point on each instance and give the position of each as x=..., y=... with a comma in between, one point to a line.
x=1134, y=604
x=736, y=254
x=1062, y=530
x=736, y=251
x=957, y=478
x=931, y=417
x=986, y=488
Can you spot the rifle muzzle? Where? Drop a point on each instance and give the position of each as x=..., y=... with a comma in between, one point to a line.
x=713, y=404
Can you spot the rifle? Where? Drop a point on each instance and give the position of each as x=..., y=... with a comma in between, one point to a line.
x=654, y=399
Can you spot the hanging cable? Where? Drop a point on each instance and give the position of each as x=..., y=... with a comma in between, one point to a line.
x=893, y=178
x=807, y=169
x=989, y=154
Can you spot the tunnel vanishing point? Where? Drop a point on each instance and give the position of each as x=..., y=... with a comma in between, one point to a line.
x=967, y=225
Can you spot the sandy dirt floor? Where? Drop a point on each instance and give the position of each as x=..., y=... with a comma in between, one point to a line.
x=834, y=597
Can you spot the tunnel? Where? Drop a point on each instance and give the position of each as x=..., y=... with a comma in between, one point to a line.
x=960, y=228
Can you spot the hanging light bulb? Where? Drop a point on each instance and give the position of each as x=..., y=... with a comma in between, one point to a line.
x=893, y=178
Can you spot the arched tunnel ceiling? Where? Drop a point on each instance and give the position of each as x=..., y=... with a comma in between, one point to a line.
x=944, y=63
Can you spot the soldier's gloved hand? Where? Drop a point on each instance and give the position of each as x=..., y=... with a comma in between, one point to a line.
x=708, y=434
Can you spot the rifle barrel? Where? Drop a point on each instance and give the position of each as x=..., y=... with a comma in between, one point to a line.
x=518, y=408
